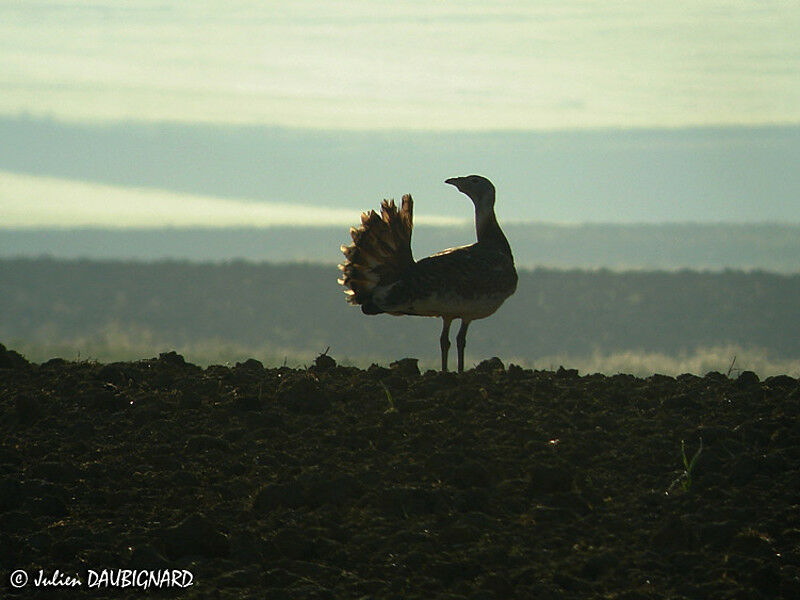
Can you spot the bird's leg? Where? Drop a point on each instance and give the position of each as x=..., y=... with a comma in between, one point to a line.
x=444, y=341
x=461, y=341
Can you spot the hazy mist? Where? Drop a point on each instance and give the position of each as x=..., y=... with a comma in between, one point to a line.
x=685, y=175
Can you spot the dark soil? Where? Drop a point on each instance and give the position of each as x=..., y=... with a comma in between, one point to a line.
x=334, y=482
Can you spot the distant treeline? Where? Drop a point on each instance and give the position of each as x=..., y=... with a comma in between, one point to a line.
x=300, y=307
x=774, y=247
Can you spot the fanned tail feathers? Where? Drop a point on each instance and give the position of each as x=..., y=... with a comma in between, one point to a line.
x=380, y=252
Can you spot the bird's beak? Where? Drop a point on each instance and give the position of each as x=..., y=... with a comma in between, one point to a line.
x=452, y=181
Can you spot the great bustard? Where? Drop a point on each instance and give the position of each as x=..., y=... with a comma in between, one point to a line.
x=467, y=283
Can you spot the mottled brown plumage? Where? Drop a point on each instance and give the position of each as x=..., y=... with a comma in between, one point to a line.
x=467, y=283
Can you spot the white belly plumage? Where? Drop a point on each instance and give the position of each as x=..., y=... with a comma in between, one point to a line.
x=455, y=306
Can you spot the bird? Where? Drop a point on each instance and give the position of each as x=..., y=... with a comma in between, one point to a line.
x=467, y=282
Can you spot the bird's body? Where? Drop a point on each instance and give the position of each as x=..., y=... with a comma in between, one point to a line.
x=467, y=283
x=470, y=282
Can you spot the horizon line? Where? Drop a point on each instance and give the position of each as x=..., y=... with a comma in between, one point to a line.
x=466, y=223
x=24, y=116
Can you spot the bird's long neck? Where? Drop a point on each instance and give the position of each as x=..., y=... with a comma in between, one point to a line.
x=487, y=227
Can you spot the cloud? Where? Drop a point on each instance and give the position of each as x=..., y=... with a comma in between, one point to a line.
x=31, y=202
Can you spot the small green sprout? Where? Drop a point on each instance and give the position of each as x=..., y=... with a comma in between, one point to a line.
x=689, y=465
x=392, y=408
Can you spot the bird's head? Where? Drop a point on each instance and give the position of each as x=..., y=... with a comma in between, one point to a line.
x=478, y=188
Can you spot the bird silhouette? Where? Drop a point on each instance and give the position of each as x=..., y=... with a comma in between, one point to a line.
x=467, y=282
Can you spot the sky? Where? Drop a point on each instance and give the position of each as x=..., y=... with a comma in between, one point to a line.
x=385, y=66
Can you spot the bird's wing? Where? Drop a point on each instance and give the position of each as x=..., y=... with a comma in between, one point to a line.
x=468, y=273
